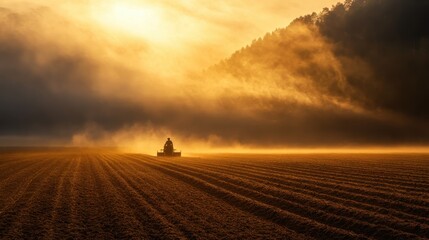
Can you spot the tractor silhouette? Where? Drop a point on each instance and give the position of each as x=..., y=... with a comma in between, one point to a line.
x=168, y=150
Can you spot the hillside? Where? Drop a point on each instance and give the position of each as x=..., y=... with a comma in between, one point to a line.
x=356, y=47
x=362, y=63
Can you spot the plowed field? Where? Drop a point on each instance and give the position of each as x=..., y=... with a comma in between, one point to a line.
x=101, y=194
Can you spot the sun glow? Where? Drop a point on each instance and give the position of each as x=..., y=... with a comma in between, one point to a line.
x=131, y=18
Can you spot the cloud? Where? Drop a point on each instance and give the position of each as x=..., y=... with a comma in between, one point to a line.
x=49, y=84
x=329, y=79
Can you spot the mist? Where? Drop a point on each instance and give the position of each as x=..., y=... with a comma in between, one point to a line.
x=329, y=79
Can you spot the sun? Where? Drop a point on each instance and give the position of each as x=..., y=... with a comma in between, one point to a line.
x=133, y=19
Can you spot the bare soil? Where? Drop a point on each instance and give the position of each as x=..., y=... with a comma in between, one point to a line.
x=84, y=194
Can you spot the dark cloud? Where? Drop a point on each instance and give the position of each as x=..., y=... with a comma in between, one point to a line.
x=45, y=90
x=353, y=75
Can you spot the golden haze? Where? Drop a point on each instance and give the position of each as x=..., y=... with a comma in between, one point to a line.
x=133, y=52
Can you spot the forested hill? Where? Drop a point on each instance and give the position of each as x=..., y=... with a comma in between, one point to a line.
x=370, y=55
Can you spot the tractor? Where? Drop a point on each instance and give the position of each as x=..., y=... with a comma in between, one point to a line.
x=168, y=150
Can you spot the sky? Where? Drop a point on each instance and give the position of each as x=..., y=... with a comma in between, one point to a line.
x=181, y=29
x=131, y=73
